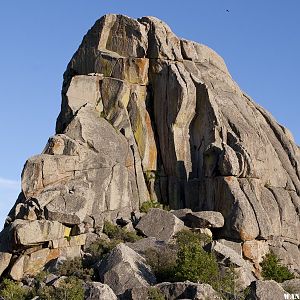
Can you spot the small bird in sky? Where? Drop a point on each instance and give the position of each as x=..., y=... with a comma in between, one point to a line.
x=227, y=10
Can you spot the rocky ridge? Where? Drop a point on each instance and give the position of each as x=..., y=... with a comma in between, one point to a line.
x=147, y=115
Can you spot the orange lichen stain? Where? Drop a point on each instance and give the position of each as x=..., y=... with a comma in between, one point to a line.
x=245, y=236
x=228, y=178
x=53, y=254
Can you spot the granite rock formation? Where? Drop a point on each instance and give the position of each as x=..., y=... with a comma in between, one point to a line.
x=147, y=115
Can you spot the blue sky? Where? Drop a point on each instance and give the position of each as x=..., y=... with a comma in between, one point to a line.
x=259, y=40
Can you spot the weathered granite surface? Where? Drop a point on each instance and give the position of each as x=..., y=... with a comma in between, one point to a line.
x=144, y=115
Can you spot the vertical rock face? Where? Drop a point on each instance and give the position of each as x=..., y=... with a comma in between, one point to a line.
x=146, y=114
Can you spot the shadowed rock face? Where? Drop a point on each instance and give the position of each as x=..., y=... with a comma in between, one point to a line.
x=146, y=114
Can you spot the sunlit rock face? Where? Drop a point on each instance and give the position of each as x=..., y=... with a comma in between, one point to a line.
x=147, y=115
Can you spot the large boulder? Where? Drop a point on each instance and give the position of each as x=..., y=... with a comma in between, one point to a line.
x=4, y=261
x=188, y=290
x=147, y=244
x=161, y=224
x=268, y=289
x=204, y=219
x=292, y=286
x=226, y=255
x=148, y=115
x=98, y=290
x=123, y=269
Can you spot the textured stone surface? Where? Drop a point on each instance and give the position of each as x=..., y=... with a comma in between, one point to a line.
x=204, y=219
x=268, y=289
x=4, y=261
x=35, y=232
x=160, y=224
x=255, y=251
x=144, y=115
x=188, y=290
x=237, y=247
x=292, y=286
x=146, y=244
x=124, y=269
x=97, y=290
x=227, y=255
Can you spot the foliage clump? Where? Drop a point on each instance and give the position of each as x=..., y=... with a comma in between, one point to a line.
x=272, y=269
x=11, y=290
x=118, y=233
x=99, y=248
x=155, y=294
x=163, y=262
x=77, y=268
x=147, y=205
x=193, y=262
x=70, y=288
x=187, y=260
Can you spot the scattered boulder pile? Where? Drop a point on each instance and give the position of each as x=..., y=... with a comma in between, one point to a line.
x=148, y=118
x=142, y=261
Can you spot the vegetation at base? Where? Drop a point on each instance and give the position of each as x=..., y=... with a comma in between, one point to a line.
x=162, y=262
x=147, y=205
x=75, y=267
x=187, y=260
x=99, y=248
x=70, y=288
x=11, y=290
x=273, y=269
x=155, y=294
x=193, y=262
x=118, y=233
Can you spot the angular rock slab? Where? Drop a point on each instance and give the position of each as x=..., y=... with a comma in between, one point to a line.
x=268, y=289
x=292, y=286
x=97, y=290
x=146, y=244
x=123, y=269
x=4, y=261
x=188, y=290
x=227, y=255
x=204, y=219
x=37, y=232
x=161, y=224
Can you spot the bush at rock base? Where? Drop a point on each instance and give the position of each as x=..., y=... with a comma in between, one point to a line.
x=193, y=262
x=146, y=206
x=162, y=262
x=155, y=294
x=272, y=269
x=187, y=260
x=11, y=290
x=70, y=288
x=76, y=267
x=99, y=248
x=118, y=233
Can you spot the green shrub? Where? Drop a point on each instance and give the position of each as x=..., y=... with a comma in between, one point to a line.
x=118, y=233
x=99, y=248
x=187, y=236
x=10, y=290
x=146, y=206
x=155, y=294
x=193, y=263
x=75, y=267
x=69, y=289
x=272, y=269
x=162, y=262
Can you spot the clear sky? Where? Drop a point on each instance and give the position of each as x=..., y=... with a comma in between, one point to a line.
x=259, y=40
